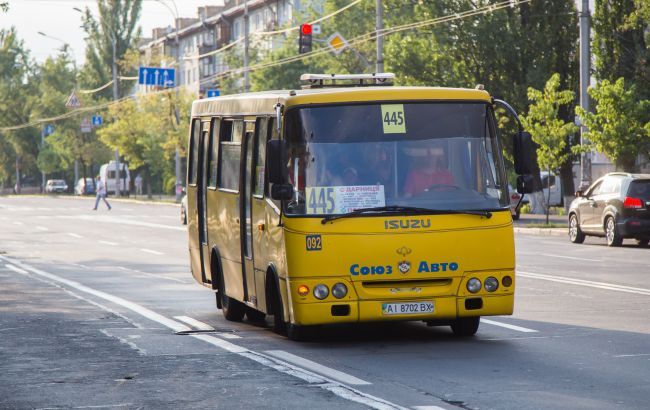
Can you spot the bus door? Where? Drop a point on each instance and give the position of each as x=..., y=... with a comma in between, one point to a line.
x=196, y=223
x=246, y=216
x=201, y=201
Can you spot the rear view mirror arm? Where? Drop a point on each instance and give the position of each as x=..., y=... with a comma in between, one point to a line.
x=511, y=111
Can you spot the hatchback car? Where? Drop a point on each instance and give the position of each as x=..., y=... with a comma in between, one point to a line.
x=86, y=187
x=55, y=186
x=616, y=206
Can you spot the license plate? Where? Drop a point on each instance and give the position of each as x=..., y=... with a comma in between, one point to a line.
x=407, y=308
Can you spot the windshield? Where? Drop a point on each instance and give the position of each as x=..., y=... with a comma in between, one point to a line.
x=441, y=156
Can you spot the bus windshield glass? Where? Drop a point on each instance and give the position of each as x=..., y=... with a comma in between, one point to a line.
x=432, y=155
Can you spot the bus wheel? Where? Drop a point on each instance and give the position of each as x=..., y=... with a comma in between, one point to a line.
x=254, y=315
x=295, y=332
x=232, y=309
x=465, y=326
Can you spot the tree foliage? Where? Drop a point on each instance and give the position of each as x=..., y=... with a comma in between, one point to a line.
x=109, y=37
x=620, y=125
x=17, y=80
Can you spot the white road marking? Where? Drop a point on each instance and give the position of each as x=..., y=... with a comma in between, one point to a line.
x=74, y=235
x=570, y=257
x=123, y=221
x=633, y=355
x=194, y=323
x=320, y=381
x=318, y=368
x=18, y=223
x=108, y=243
x=16, y=269
x=427, y=408
x=153, y=275
x=151, y=251
x=508, y=326
x=588, y=283
x=228, y=336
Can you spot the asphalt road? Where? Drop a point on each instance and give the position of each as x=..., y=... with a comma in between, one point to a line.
x=98, y=310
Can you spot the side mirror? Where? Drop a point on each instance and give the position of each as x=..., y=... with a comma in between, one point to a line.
x=525, y=154
x=282, y=191
x=276, y=160
x=526, y=184
x=579, y=193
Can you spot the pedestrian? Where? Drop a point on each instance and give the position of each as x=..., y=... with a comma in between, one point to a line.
x=101, y=193
x=138, y=185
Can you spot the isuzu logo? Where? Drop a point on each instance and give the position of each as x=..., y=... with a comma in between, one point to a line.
x=407, y=223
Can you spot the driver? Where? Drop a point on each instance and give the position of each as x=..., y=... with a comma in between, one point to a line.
x=430, y=169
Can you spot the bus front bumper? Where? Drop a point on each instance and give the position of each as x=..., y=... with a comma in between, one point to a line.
x=444, y=308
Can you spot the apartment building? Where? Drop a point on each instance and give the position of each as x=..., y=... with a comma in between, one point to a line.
x=192, y=46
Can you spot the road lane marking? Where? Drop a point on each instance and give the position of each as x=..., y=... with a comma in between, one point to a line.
x=318, y=368
x=508, y=326
x=195, y=323
x=123, y=221
x=633, y=355
x=316, y=380
x=570, y=257
x=153, y=275
x=74, y=235
x=151, y=251
x=17, y=269
x=587, y=283
x=18, y=223
x=108, y=243
x=427, y=408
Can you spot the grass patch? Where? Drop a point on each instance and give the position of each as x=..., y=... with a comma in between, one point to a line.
x=549, y=225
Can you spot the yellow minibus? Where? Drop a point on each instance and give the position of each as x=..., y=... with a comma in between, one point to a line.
x=352, y=200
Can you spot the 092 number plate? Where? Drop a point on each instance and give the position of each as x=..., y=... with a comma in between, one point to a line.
x=407, y=308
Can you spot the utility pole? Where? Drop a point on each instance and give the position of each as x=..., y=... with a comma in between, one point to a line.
x=116, y=96
x=380, y=39
x=585, y=59
x=247, y=85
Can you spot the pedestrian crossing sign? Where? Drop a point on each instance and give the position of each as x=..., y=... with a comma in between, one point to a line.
x=73, y=101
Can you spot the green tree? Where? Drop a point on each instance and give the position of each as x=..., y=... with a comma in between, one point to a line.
x=549, y=131
x=620, y=125
x=620, y=43
x=146, y=133
x=108, y=39
x=20, y=146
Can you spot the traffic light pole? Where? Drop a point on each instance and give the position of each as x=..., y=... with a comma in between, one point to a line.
x=585, y=157
x=246, y=46
x=380, y=39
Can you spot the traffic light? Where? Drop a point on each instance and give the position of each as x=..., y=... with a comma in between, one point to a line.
x=304, y=44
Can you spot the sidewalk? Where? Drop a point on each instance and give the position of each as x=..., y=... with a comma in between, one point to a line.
x=527, y=219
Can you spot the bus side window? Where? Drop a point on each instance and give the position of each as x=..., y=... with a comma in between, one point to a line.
x=259, y=161
x=214, y=151
x=230, y=137
x=194, y=152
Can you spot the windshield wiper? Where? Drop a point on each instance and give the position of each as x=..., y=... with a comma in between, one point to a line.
x=410, y=210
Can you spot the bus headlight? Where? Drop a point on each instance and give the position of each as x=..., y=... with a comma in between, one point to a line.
x=339, y=290
x=491, y=284
x=473, y=285
x=321, y=291
x=303, y=290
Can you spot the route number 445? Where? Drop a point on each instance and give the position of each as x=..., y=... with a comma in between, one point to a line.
x=393, y=119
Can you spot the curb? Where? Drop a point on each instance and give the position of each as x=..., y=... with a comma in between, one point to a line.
x=542, y=231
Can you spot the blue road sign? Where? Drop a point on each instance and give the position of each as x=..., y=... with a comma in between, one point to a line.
x=97, y=120
x=162, y=77
x=213, y=93
x=49, y=129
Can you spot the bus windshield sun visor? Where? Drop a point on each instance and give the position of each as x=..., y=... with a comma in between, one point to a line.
x=405, y=210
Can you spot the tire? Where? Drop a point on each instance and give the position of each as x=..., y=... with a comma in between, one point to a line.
x=255, y=315
x=575, y=233
x=465, y=326
x=279, y=325
x=295, y=332
x=233, y=310
x=611, y=233
x=643, y=242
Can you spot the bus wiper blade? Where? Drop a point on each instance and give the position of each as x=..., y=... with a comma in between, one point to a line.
x=407, y=210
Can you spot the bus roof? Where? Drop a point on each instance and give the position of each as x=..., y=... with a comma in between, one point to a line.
x=265, y=101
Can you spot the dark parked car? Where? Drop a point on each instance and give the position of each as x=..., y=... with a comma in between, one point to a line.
x=616, y=206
